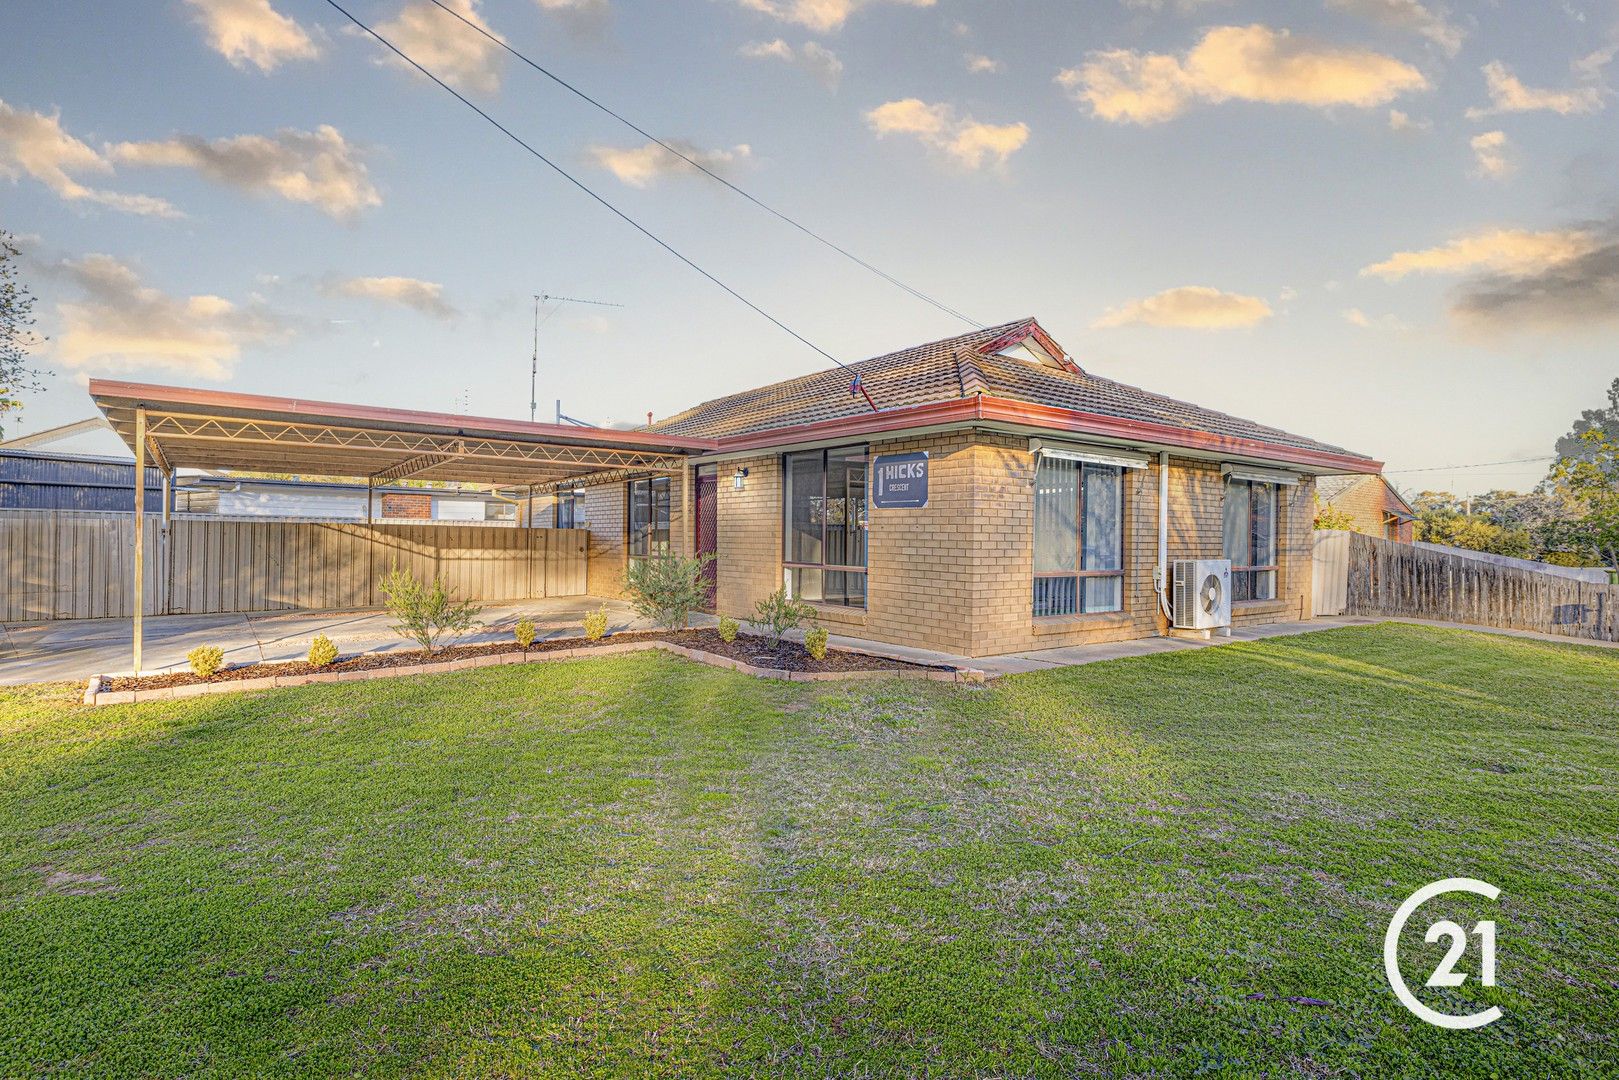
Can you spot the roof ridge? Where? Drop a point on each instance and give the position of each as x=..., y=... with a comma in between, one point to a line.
x=968, y=373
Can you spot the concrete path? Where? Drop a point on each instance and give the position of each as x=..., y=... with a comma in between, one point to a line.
x=1046, y=659
x=77, y=649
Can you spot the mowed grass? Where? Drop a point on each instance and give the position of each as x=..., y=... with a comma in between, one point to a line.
x=636, y=866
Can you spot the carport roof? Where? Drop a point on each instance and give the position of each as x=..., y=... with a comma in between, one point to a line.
x=213, y=429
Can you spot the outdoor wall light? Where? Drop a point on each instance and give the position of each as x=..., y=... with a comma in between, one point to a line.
x=738, y=478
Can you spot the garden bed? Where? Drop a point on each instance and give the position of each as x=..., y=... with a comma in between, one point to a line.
x=748, y=653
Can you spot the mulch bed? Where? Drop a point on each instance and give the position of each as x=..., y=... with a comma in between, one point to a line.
x=759, y=652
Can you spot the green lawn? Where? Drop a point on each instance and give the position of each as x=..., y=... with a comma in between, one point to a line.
x=640, y=866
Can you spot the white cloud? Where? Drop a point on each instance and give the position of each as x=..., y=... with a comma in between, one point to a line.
x=437, y=41
x=812, y=57
x=1490, y=150
x=822, y=16
x=252, y=32
x=121, y=325
x=317, y=167
x=1508, y=94
x=1182, y=7
x=582, y=18
x=979, y=64
x=1236, y=63
x=36, y=145
x=1409, y=15
x=1196, y=307
x=641, y=166
x=1401, y=121
x=966, y=141
x=1509, y=252
x=1357, y=317
x=426, y=297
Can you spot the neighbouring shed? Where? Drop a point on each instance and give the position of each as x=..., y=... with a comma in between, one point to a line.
x=36, y=480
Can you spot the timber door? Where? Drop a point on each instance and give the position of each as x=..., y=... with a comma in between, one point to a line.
x=707, y=525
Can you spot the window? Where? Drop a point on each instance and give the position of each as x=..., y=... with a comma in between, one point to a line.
x=1078, y=537
x=824, y=506
x=649, y=517
x=570, y=509
x=1250, y=538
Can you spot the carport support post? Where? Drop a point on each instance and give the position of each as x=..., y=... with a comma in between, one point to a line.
x=140, y=528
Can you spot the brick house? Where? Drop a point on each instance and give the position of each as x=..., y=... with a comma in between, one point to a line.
x=1371, y=504
x=1042, y=523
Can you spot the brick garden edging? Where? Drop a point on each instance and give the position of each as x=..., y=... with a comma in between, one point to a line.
x=94, y=695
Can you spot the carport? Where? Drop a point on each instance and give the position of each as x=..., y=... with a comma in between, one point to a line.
x=182, y=428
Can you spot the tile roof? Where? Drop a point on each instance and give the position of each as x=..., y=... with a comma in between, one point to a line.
x=952, y=369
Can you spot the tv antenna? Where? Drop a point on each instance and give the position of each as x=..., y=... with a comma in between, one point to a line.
x=534, y=364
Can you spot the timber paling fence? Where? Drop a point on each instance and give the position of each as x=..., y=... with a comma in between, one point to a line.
x=77, y=565
x=1389, y=578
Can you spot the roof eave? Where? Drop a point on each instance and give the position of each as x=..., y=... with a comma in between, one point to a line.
x=1050, y=418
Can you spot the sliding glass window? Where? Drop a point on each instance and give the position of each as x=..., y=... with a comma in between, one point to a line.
x=1078, y=537
x=824, y=511
x=1250, y=538
x=570, y=510
x=648, y=517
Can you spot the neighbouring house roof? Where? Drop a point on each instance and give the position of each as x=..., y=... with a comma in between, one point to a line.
x=1331, y=488
x=1014, y=362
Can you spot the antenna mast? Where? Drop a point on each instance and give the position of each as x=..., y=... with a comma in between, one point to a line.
x=534, y=363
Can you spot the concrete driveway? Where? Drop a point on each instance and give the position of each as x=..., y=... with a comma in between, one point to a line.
x=77, y=649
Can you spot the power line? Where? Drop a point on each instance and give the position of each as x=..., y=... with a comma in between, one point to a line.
x=706, y=171
x=582, y=186
x=1477, y=465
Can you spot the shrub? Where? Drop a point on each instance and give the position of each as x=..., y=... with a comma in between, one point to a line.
x=524, y=632
x=596, y=625
x=426, y=612
x=815, y=642
x=778, y=613
x=205, y=660
x=322, y=653
x=667, y=589
x=1328, y=516
x=728, y=628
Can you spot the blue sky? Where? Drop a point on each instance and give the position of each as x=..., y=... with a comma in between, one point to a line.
x=1389, y=224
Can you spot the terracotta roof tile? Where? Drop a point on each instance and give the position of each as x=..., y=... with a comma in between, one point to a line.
x=951, y=369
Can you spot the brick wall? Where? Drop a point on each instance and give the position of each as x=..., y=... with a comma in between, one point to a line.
x=1369, y=504
x=413, y=507
x=957, y=574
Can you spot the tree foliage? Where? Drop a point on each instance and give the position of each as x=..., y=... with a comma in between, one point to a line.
x=17, y=335
x=1589, y=479
x=1603, y=419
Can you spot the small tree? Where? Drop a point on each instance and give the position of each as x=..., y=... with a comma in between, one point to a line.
x=426, y=612
x=667, y=588
x=17, y=335
x=779, y=613
x=1590, y=481
x=1328, y=516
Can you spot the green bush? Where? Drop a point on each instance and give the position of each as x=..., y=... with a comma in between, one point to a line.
x=322, y=652
x=524, y=632
x=596, y=625
x=779, y=613
x=667, y=589
x=426, y=612
x=728, y=628
x=815, y=642
x=206, y=660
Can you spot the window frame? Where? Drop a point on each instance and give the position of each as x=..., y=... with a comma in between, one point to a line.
x=575, y=501
x=1079, y=575
x=1253, y=571
x=787, y=562
x=648, y=538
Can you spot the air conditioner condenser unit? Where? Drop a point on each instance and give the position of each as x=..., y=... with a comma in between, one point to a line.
x=1202, y=593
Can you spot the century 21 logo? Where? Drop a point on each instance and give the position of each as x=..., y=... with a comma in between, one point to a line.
x=1445, y=974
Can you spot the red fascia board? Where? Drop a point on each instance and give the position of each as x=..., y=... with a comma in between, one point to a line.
x=1003, y=410
x=371, y=415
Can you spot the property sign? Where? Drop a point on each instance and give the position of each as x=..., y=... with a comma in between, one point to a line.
x=900, y=480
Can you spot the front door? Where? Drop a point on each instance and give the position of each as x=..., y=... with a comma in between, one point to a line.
x=707, y=538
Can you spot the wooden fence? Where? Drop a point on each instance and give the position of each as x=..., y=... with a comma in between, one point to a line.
x=76, y=565
x=1388, y=578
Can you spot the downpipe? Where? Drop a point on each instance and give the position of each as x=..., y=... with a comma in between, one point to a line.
x=1160, y=573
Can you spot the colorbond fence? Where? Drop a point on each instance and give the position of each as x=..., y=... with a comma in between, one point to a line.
x=1387, y=578
x=72, y=565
